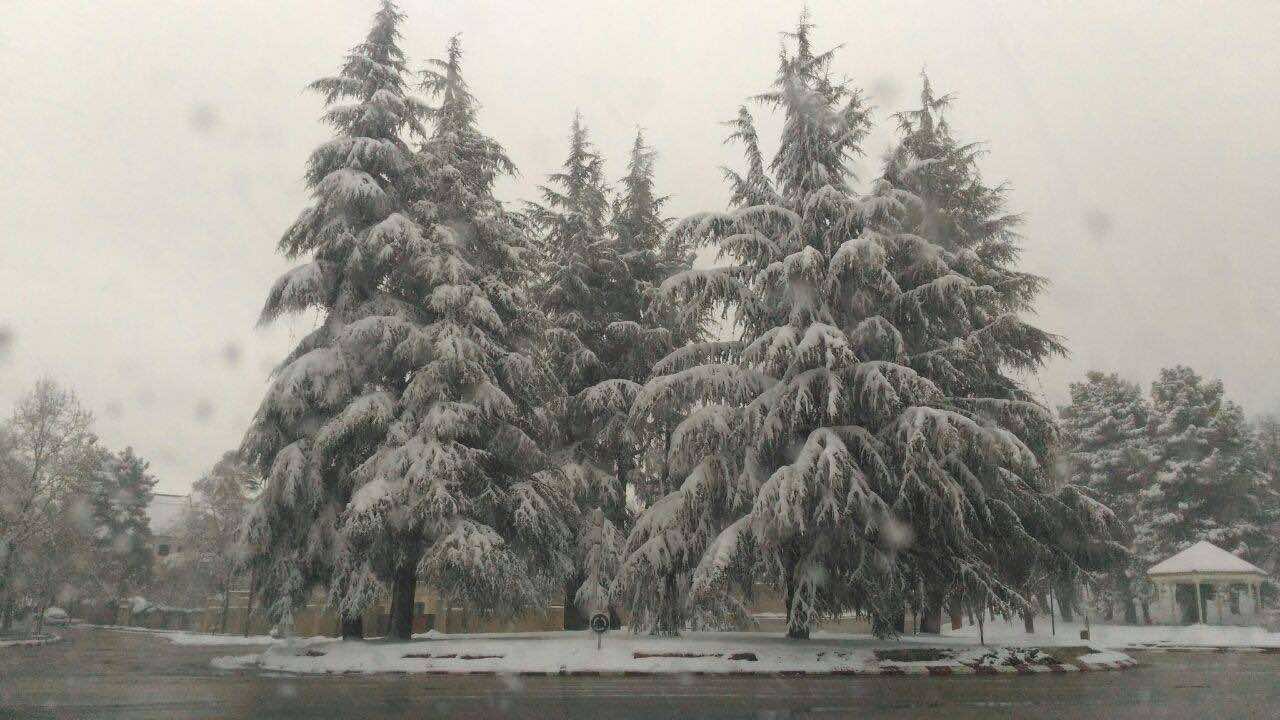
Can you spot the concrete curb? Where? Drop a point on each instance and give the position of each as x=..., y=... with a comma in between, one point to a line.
x=864, y=671
x=33, y=642
x=1266, y=650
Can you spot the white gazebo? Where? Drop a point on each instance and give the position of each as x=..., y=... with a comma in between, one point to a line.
x=1234, y=585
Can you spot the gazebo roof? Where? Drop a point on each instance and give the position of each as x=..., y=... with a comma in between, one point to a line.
x=1207, y=558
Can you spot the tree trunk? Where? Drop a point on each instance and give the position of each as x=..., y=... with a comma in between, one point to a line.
x=1029, y=621
x=931, y=619
x=226, y=604
x=1130, y=611
x=6, y=615
x=248, y=603
x=900, y=621
x=1146, y=613
x=794, y=632
x=957, y=618
x=1066, y=602
x=573, y=619
x=403, y=591
x=353, y=628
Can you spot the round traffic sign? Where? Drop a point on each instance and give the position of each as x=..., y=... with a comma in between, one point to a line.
x=600, y=623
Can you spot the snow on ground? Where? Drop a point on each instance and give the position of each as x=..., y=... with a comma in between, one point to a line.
x=27, y=641
x=620, y=652
x=185, y=637
x=1118, y=636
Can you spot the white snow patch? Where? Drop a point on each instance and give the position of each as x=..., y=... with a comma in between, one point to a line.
x=1118, y=636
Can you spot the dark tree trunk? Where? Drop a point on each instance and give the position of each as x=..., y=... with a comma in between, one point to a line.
x=1130, y=611
x=957, y=618
x=900, y=622
x=1067, y=602
x=794, y=631
x=353, y=628
x=226, y=605
x=669, y=606
x=403, y=590
x=1029, y=621
x=248, y=603
x=1146, y=613
x=573, y=619
x=931, y=619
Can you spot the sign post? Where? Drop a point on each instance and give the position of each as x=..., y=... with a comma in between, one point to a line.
x=600, y=626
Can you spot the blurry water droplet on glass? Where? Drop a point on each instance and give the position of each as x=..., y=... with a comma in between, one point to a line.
x=1098, y=223
x=884, y=90
x=204, y=410
x=231, y=354
x=203, y=118
x=115, y=408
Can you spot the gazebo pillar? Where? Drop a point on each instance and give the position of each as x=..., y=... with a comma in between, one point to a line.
x=1199, y=606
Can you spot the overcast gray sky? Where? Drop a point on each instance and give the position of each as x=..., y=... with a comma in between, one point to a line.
x=153, y=153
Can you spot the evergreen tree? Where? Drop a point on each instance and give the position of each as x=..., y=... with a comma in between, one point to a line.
x=960, y=319
x=581, y=286
x=119, y=496
x=1208, y=485
x=1110, y=454
x=839, y=424
x=451, y=495
x=333, y=399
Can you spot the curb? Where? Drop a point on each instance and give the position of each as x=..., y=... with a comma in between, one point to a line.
x=867, y=671
x=1222, y=649
x=33, y=642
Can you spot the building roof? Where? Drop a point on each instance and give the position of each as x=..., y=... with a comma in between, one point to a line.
x=1205, y=557
x=165, y=512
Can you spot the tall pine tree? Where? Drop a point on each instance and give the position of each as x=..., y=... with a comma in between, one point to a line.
x=333, y=399
x=1109, y=453
x=960, y=317
x=836, y=426
x=451, y=496
x=119, y=495
x=582, y=279
x=1208, y=484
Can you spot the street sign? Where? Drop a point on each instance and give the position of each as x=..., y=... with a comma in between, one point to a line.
x=600, y=625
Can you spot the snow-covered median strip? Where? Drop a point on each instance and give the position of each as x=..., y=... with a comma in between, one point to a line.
x=1171, y=638
x=575, y=653
x=184, y=637
x=30, y=642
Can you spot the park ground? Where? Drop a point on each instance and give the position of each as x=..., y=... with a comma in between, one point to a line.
x=96, y=674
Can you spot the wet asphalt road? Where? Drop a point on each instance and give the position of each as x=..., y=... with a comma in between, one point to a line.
x=105, y=674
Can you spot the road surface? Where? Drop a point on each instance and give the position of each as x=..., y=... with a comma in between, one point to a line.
x=98, y=674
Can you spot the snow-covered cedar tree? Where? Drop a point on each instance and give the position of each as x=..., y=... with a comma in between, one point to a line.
x=581, y=288
x=1208, y=484
x=335, y=398
x=960, y=315
x=1109, y=453
x=451, y=494
x=120, y=492
x=861, y=429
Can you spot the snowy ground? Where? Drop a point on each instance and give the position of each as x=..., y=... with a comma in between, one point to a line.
x=28, y=641
x=621, y=652
x=1120, y=636
x=184, y=637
